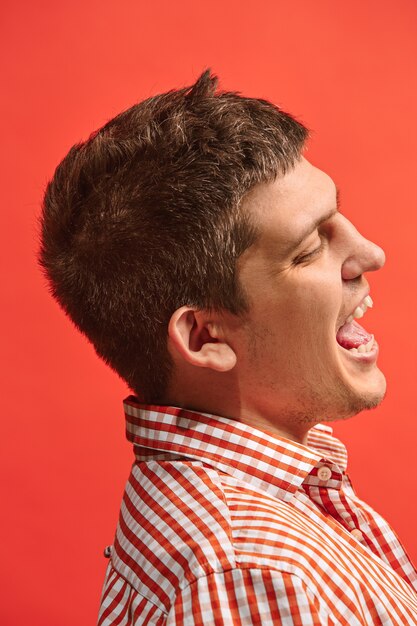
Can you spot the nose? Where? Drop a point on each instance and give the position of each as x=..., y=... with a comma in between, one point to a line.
x=363, y=256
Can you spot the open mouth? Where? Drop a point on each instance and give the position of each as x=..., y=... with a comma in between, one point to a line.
x=352, y=336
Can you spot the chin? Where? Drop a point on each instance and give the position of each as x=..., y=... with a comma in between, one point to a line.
x=369, y=396
x=367, y=403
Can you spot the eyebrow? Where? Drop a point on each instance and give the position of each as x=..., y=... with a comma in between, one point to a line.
x=312, y=227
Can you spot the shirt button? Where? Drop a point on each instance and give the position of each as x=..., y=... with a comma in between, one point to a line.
x=357, y=534
x=324, y=473
x=107, y=552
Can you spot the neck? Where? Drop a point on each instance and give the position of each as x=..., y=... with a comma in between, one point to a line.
x=220, y=394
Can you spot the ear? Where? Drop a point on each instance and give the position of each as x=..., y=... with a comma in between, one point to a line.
x=199, y=341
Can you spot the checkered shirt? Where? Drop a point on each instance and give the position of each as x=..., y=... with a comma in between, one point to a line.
x=225, y=524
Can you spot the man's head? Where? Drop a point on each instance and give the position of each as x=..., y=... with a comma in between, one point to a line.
x=147, y=216
x=296, y=357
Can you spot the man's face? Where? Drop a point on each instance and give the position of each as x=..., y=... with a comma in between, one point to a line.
x=303, y=281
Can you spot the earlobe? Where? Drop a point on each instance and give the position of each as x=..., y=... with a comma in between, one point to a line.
x=198, y=341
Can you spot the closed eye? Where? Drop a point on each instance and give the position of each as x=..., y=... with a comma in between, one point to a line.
x=307, y=257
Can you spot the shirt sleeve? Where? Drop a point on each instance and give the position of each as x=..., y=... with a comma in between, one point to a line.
x=247, y=597
x=238, y=597
x=122, y=605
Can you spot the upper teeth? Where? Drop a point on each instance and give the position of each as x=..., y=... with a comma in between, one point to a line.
x=361, y=309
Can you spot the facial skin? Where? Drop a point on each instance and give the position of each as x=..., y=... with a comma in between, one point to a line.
x=281, y=368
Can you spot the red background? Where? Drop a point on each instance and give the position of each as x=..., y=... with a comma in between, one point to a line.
x=347, y=69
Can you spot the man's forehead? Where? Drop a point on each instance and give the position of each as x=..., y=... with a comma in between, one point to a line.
x=287, y=209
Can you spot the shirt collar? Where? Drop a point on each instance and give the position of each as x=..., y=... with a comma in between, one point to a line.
x=268, y=462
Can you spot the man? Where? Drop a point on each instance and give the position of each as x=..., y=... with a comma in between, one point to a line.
x=208, y=263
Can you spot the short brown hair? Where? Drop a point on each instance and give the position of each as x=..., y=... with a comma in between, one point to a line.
x=144, y=217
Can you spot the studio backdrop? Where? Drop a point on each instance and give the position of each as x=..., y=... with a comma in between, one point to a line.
x=347, y=71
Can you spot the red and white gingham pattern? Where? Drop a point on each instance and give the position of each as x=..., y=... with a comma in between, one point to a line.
x=225, y=524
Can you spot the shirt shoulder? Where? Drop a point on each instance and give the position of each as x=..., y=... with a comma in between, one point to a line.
x=174, y=527
x=184, y=520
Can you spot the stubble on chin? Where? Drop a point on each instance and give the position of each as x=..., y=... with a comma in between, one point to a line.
x=340, y=404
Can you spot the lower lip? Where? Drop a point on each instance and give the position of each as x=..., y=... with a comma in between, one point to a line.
x=363, y=357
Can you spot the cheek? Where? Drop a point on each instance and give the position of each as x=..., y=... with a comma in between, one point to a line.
x=311, y=309
x=297, y=317
x=321, y=295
